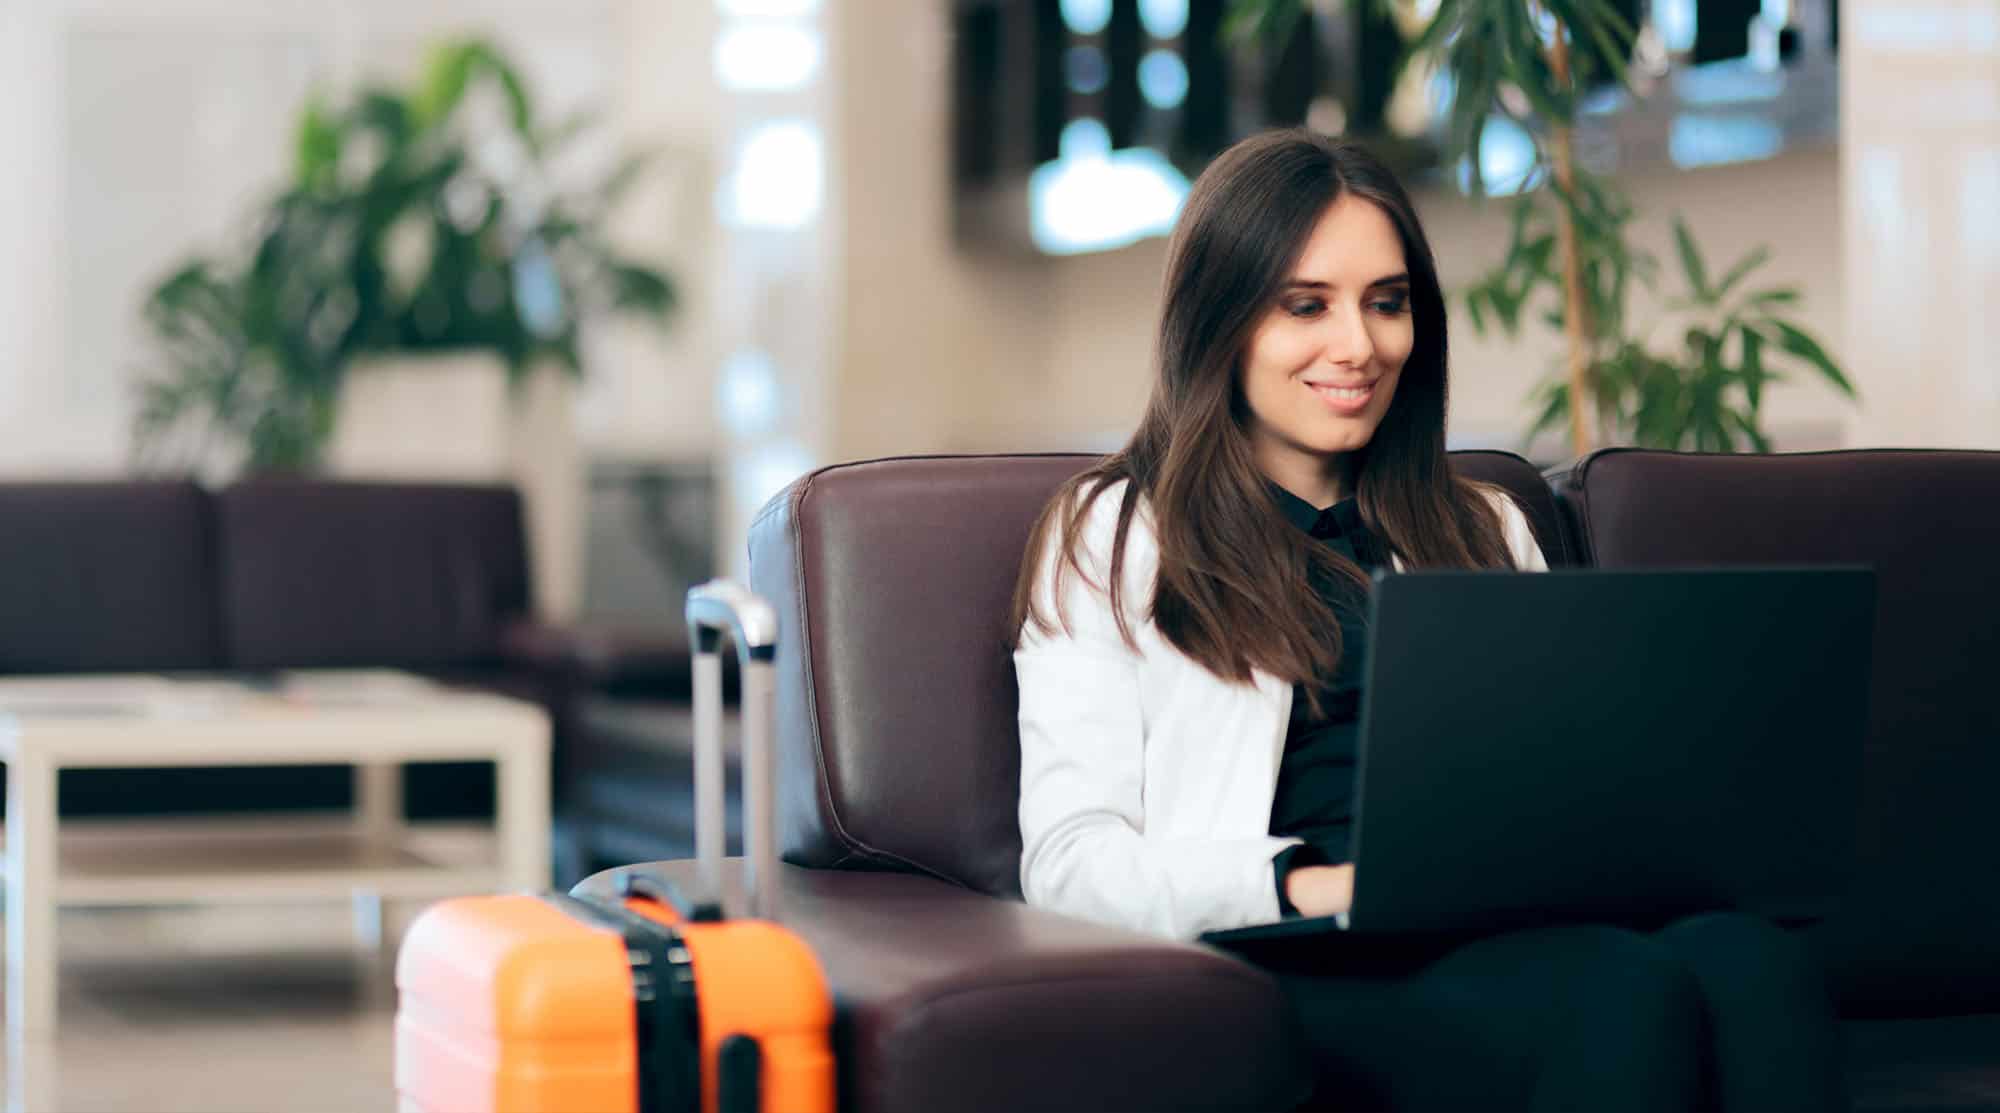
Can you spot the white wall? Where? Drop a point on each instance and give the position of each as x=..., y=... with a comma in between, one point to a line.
x=17, y=117
x=650, y=395
x=1920, y=135
x=926, y=330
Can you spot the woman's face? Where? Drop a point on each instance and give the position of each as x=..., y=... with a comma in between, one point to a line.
x=1323, y=361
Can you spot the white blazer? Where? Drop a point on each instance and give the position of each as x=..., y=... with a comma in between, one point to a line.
x=1147, y=780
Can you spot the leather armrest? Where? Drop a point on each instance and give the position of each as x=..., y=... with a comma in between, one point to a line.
x=951, y=999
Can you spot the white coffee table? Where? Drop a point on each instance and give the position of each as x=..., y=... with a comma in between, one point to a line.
x=373, y=720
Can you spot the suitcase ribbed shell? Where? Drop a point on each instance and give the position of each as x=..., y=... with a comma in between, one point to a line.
x=510, y=1005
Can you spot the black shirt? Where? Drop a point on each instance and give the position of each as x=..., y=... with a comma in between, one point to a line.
x=1315, y=795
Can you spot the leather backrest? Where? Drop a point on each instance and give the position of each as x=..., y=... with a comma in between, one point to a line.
x=329, y=573
x=1521, y=480
x=1918, y=934
x=897, y=740
x=106, y=576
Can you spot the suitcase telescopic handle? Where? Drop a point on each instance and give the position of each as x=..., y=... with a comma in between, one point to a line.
x=715, y=609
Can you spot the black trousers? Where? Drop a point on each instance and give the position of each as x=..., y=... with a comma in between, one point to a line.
x=1718, y=1011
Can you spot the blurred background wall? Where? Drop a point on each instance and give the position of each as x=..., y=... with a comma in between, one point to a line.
x=832, y=304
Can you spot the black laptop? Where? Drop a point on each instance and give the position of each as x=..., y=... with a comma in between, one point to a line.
x=1603, y=747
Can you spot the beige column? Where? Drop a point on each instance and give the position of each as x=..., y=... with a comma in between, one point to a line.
x=775, y=290
x=1920, y=183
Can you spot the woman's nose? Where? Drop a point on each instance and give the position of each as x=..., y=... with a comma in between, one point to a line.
x=1347, y=341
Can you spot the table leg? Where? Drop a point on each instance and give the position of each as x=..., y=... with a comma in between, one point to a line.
x=522, y=814
x=31, y=910
x=378, y=815
x=378, y=799
x=365, y=910
x=32, y=1085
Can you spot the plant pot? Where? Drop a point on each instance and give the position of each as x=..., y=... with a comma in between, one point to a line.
x=454, y=417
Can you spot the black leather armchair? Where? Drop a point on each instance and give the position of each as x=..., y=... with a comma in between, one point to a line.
x=898, y=774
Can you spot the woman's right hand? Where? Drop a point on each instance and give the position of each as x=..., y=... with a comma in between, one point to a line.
x=1321, y=890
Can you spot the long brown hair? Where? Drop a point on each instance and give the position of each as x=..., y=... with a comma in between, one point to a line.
x=1232, y=589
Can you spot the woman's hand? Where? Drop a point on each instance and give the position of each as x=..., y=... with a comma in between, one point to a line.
x=1320, y=890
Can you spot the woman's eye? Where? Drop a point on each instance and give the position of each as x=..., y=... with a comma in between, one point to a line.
x=1305, y=308
x=1392, y=304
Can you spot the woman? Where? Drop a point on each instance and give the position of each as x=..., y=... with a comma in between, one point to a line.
x=1190, y=645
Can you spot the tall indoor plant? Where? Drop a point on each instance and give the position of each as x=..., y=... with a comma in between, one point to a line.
x=419, y=219
x=1533, y=61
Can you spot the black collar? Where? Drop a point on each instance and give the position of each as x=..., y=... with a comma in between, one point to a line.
x=1343, y=517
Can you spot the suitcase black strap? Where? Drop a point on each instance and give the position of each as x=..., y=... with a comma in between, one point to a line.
x=739, y=1071
x=633, y=881
x=664, y=997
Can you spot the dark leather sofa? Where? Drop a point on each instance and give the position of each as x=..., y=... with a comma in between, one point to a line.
x=149, y=576
x=1914, y=954
x=898, y=769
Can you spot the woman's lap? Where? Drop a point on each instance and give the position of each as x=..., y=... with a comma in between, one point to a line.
x=1776, y=1043
x=1578, y=1017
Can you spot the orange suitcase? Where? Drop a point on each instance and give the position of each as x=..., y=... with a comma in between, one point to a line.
x=639, y=1004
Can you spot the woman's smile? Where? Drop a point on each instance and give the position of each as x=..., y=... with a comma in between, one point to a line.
x=1347, y=401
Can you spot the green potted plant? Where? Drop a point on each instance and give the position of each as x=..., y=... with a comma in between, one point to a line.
x=1570, y=257
x=418, y=222
x=1703, y=393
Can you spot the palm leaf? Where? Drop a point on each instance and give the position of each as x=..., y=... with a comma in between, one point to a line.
x=1784, y=295
x=1445, y=24
x=627, y=172
x=1751, y=370
x=1611, y=37
x=1806, y=348
x=1261, y=20
x=1757, y=257
x=1472, y=299
x=1751, y=432
x=1555, y=409
x=318, y=143
x=1691, y=264
x=641, y=289
x=449, y=71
